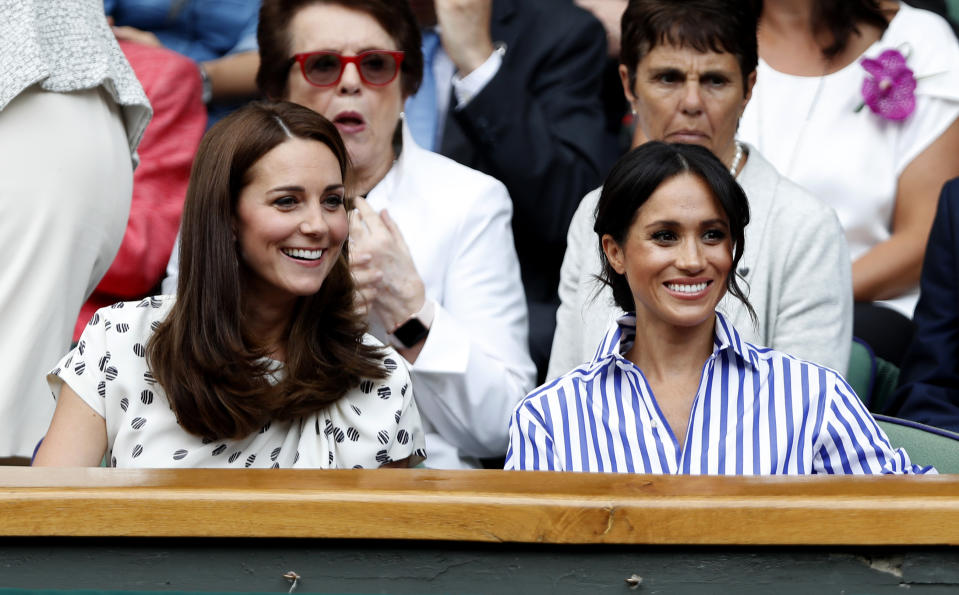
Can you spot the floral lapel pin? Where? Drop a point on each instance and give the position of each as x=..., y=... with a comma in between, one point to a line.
x=889, y=88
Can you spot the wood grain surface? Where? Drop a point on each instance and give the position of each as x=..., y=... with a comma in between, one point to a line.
x=480, y=506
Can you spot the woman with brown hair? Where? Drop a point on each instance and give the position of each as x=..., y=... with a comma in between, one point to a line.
x=433, y=253
x=261, y=360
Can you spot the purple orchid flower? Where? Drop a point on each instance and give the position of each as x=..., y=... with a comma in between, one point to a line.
x=890, y=90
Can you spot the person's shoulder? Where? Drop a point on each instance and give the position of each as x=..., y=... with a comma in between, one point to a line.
x=767, y=358
x=926, y=39
x=566, y=387
x=397, y=369
x=446, y=185
x=134, y=318
x=914, y=24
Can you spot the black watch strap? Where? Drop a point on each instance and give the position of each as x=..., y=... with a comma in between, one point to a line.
x=411, y=332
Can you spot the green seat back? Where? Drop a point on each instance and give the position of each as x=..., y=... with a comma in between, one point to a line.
x=926, y=445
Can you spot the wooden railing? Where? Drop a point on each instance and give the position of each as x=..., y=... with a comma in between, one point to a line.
x=480, y=506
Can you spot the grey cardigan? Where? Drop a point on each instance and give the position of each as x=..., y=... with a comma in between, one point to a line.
x=795, y=262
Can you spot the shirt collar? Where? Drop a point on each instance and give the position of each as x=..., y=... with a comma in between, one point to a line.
x=621, y=335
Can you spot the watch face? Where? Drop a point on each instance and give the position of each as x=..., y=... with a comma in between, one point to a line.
x=411, y=332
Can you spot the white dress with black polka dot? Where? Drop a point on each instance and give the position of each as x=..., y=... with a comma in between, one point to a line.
x=375, y=423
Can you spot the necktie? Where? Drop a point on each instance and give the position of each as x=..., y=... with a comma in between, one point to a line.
x=421, y=114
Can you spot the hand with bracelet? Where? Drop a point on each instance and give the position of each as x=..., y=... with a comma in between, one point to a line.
x=387, y=283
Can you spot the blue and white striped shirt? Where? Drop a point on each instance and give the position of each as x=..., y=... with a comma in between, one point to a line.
x=757, y=412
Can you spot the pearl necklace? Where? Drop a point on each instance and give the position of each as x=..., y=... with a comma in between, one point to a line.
x=736, y=159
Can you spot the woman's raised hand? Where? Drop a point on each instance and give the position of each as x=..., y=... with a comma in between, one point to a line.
x=387, y=283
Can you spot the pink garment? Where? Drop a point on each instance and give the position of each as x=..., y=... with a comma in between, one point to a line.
x=172, y=83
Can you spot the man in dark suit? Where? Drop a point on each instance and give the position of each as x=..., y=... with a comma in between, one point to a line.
x=929, y=381
x=534, y=120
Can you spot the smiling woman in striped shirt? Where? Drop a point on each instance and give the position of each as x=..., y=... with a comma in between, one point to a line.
x=672, y=387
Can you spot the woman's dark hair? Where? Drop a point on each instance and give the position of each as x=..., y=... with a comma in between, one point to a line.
x=721, y=26
x=839, y=18
x=214, y=372
x=276, y=46
x=636, y=176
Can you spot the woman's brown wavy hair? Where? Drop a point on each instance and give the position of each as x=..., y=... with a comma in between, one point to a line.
x=214, y=372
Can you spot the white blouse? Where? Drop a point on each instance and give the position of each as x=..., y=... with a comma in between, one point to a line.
x=808, y=127
x=375, y=423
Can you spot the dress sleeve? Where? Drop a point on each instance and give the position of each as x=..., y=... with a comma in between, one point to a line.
x=84, y=368
x=531, y=445
x=851, y=442
x=935, y=62
x=475, y=365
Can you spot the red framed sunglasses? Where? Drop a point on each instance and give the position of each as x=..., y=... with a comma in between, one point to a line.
x=325, y=69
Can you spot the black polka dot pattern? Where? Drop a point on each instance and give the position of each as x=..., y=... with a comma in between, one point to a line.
x=112, y=359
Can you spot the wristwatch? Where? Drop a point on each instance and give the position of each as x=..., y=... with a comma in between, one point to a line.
x=415, y=328
x=207, y=84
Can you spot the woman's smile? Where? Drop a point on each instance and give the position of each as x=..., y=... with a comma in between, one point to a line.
x=677, y=254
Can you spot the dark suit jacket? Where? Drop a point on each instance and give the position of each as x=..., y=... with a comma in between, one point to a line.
x=929, y=381
x=539, y=127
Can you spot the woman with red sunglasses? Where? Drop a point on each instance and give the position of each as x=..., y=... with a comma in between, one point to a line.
x=432, y=252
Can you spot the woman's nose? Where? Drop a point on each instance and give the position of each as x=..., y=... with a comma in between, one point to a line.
x=350, y=80
x=692, y=100
x=313, y=223
x=691, y=258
